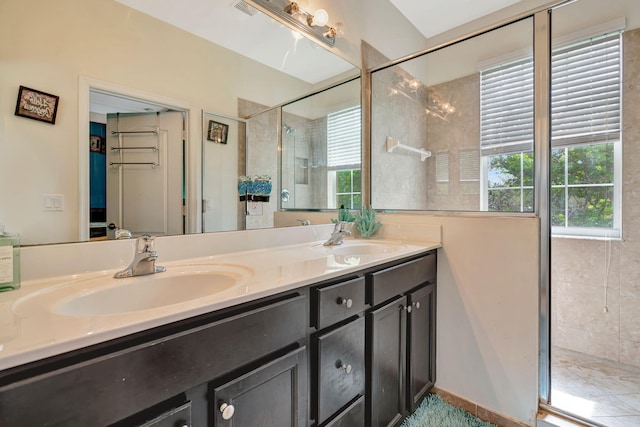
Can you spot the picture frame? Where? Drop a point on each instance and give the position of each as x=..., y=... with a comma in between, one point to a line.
x=217, y=132
x=97, y=144
x=37, y=105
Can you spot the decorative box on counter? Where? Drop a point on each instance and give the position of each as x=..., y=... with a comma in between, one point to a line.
x=255, y=189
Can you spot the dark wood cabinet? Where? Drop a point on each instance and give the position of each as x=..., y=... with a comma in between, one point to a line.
x=117, y=380
x=273, y=394
x=386, y=349
x=354, y=351
x=400, y=339
x=421, y=344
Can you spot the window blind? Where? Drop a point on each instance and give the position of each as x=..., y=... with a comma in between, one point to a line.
x=585, y=91
x=506, y=108
x=585, y=98
x=343, y=138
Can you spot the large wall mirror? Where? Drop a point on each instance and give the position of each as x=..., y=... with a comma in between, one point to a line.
x=130, y=79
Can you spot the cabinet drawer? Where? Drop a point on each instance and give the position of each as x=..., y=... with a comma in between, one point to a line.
x=333, y=303
x=178, y=417
x=385, y=284
x=340, y=368
x=353, y=416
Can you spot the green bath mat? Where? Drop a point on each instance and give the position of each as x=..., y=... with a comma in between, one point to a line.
x=435, y=412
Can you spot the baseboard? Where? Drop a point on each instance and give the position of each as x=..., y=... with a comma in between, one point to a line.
x=481, y=412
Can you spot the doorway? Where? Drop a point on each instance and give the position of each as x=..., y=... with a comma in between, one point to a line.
x=135, y=179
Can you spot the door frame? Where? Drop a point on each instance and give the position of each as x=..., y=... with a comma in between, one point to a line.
x=88, y=84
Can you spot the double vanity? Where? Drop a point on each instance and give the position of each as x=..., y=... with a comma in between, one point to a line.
x=296, y=335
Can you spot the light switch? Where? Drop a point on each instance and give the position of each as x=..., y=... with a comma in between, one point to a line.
x=53, y=202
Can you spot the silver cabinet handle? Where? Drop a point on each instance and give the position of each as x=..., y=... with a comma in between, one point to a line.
x=347, y=302
x=417, y=305
x=227, y=411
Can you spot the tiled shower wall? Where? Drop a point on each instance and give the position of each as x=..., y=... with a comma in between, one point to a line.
x=596, y=283
x=442, y=182
x=305, y=144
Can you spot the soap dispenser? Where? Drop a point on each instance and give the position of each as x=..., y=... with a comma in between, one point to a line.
x=9, y=261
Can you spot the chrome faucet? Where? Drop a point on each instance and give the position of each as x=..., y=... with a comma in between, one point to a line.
x=339, y=233
x=144, y=260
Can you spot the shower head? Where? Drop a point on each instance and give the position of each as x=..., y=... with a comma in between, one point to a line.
x=287, y=129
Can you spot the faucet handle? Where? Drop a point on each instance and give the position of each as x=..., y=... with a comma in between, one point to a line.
x=145, y=243
x=341, y=226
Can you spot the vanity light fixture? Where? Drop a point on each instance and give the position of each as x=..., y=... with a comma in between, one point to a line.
x=311, y=25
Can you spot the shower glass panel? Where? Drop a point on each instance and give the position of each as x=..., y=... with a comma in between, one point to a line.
x=452, y=129
x=595, y=242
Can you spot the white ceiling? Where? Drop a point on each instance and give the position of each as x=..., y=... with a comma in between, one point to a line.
x=262, y=39
x=432, y=17
x=257, y=37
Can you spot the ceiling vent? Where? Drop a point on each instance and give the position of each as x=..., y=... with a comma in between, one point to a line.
x=245, y=8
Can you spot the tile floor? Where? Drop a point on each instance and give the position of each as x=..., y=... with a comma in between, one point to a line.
x=597, y=389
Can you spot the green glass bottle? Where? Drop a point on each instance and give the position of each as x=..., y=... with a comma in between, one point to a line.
x=9, y=261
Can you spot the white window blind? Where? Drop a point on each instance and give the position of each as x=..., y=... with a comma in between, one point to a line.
x=585, y=98
x=343, y=138
x=585, y=91
x=506, y=108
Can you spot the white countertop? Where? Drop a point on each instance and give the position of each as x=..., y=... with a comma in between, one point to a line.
x=30, y=329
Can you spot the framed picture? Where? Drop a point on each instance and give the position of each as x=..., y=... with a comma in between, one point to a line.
x=97, y=144
x=217, y=132
x=37, y=105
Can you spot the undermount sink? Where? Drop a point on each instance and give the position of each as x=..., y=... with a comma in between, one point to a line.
x=352, y=253
x=105, y=295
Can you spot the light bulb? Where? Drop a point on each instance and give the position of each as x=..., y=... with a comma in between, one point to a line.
x=320, y=18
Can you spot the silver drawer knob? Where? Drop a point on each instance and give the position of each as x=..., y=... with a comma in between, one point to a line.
x=227, y=411
x=347, y=368
x=417, y=305
x=347, y=302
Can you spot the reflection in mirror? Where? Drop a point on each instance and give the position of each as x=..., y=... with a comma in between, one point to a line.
x=321, y=150
x=136, y=166
x=132, y=50
x=452, y=103
x=223, y=142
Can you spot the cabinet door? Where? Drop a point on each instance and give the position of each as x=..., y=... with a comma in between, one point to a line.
x=340, y=371
x=271, y=395
x=421, y=344
x=386, y=336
